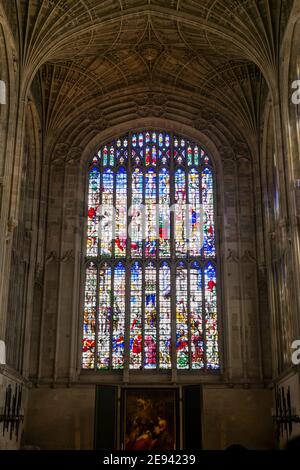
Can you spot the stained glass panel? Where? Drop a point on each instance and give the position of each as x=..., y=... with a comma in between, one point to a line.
x=150, y=317
x=179, y=150
x=89, y=317
x=195, y=218
x=165, y=316
x=182, y=339
x=136, y=337
x=150, y=208
x=208, y=213
x=118, y=318
x=164, y=213
x=196, y=314
x=105, y=156
x=181, y=210
x=107, y=213
x=104, y=317
x=122, y=150
x=211, y=324
x=121, y=213
x=93, y=212
x=136, y=211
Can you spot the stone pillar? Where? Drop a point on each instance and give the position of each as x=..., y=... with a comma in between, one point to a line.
x=240, y=277
x=61, y=289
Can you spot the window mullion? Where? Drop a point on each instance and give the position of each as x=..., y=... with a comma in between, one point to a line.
x=128, y=264
x=100, y=220
x=187, y=212
x=98, y=275
x=113, y=264
x=189, y=314
x=97, y=319
x=157, y=316
x=143, y=316
x=113, y=235
x=187, y=238
x=172, y=259
x=203, y=317
x=144, y=218
x=202, y=274
x=202, y=214
x=112, y=306
x=201, y=251
x=157, y=260
x=144, y=211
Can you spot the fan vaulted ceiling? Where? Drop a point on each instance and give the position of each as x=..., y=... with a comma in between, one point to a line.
x=204, y=63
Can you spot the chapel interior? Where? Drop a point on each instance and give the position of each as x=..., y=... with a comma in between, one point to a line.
x=166, y=80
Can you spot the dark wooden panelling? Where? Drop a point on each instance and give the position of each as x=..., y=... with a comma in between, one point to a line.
x=192, y=417
x=106, y=417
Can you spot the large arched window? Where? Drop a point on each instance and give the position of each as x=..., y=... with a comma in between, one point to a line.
x=150, y=299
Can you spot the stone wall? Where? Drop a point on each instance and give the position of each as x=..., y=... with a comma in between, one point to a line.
x=63, y=418
x=11, y=439
x=60, y=418
x=291, y=382
x=237, y=416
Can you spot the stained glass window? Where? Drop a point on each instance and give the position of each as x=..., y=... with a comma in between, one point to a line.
x=150, y=298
